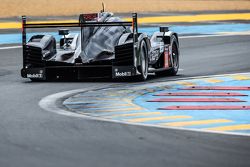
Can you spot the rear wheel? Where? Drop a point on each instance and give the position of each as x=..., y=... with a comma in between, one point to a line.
x=143, y=68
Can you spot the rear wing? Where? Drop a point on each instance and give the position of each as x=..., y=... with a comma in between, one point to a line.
x=81, y=25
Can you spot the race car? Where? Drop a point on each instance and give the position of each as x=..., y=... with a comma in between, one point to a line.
x=104, y=47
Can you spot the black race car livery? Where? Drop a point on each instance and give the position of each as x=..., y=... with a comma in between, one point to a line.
x=106, y=46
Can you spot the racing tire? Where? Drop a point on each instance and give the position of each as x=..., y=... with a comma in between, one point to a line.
x=175, y=57
x=143, y=67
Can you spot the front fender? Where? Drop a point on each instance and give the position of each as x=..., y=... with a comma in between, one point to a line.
x=167, y=36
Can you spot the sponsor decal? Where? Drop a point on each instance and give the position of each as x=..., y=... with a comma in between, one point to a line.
x=122, y=74
x=162, y=47
x=155, y=54
x=35, y=75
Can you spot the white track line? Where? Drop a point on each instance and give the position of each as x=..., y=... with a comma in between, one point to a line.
x=10, y=47
x=49, y=104
x=215, y=35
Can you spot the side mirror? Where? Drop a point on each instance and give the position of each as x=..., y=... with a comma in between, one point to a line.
x=64, y=32
x=164, y=29
x=165, y=39
x=63, y=41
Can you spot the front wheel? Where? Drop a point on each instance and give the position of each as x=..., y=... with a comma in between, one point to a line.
x=174, y=46
x=143, y=67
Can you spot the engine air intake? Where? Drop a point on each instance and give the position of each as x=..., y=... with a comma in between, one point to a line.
x=124, y=55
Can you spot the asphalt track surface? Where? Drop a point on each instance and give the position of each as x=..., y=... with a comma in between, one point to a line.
x=31, y=136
